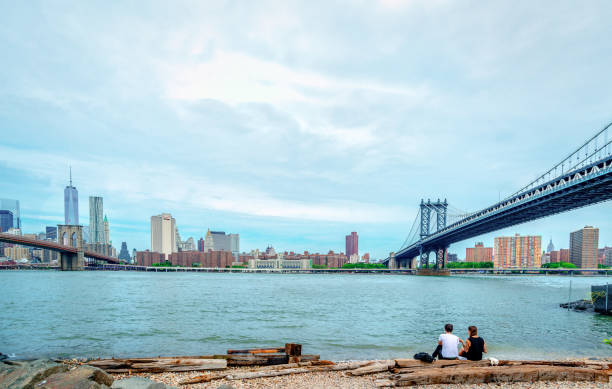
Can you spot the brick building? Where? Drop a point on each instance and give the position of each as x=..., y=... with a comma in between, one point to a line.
x=518, y=251
x=479, y=253
x=148, y=258
x=583, y=247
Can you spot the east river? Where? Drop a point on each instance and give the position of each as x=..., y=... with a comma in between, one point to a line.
x=344, y=316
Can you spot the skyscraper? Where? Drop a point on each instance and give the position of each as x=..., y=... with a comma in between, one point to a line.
x=71, y=204
x=163, y=234
x=6, y=220
x=124, y=254
x=96, y=220
x=352, y=244
x=106, y=231
x=13, y=206
x=518, y=251
x=551, y=246
x=201, y=244
x=583, y=247
x=51, y=233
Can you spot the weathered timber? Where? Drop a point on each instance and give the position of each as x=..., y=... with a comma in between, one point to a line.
x=501, y=374
x=376, y=367
x=601, y=365
x=257, y=350
x=203, y=378
x=442, y=364
x=157, y=365
x=438, y=363
x=274, y=359
x=293, y=349
x=300, y=370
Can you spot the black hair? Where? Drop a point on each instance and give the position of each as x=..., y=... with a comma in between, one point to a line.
x=448, y=327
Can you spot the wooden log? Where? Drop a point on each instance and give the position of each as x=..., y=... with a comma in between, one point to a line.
x=293, y=349
x=257, y=350
x=203, y=378
x=440, y=364
x=157, y=365
x=300, y=370
x=376, y=367
x=502, y=374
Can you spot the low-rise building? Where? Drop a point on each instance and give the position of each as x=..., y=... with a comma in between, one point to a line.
x=479, y=253
x=279, y=264
x=148, y=258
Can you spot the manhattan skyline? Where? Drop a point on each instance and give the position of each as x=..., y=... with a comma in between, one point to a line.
x=295, y=133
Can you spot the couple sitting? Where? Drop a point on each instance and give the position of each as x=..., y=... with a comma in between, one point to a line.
x=448, y=343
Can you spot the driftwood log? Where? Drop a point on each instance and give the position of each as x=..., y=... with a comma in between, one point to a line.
x=158, y=365
x=494, y=374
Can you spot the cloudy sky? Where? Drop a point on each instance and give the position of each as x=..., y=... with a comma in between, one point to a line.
x=295, y=123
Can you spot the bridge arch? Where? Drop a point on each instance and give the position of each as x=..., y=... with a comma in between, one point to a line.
x=65, y=239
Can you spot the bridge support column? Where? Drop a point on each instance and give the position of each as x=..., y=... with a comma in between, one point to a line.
x=424, y=257
x=72, y=261
x=392, y=261
x=441, y=258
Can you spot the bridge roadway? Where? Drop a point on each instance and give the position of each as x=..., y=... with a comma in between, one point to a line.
x=48, y=245
x=578, y=188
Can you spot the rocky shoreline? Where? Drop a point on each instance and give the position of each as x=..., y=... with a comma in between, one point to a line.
x=49, y=374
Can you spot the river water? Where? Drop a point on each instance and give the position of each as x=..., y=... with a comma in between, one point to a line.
x=343, y=316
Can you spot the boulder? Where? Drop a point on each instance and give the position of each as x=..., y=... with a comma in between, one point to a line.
x=139, y=383
x=81, y=377
x=27, y=374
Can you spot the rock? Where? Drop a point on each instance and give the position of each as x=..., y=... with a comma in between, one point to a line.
x=225, y=386
x=27, y=374
x=81, y=377
x=139, y=383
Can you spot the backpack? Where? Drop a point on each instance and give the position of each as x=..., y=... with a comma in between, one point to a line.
x=424, y=357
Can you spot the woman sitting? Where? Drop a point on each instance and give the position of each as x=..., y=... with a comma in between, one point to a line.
x=474, y=346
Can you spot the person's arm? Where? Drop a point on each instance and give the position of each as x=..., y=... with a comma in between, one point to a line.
x=484, y=346
x=466, y=345
x=439, y=343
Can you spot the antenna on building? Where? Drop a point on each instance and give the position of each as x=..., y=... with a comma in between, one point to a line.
x=70, y=175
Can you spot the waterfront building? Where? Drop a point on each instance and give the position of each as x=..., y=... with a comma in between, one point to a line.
x=517, y=251
x=148, y=258
x=479, y=253
x=608, y=256
x=17, y=252
x=51, y=233
x=583, y=247
x=551, y=246
x=280, y=264
x=452, y=258
x=601, y=255
x=124, y=254
x=201, y=244
x=545, y=258
x=365, y=258
x=106, y=231
x=13, y=206
x=208, y=259
x=71, y=204
x=163, y=234
x=6, y=220
x=354, y=258
x=187, y=245
x=96, y=220
x=220, y=241
x=352, y=244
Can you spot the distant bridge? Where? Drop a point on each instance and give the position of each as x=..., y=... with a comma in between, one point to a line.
x=581, y=179
x=72, y=255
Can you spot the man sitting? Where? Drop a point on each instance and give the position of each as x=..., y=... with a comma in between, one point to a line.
x=448, y=344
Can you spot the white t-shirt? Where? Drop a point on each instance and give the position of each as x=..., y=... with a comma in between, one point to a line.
x=450, y=343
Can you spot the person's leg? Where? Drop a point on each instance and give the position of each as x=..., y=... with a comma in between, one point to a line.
x=438, y=351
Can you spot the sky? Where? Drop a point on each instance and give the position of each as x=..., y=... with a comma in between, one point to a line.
x=295, y=123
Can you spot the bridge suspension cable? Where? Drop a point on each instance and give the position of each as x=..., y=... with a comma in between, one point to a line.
x=411, y=238
x=597, y=147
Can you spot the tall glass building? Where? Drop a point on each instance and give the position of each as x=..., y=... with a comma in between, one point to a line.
x=96, y=220
x=13, y=207
x=71, y=204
